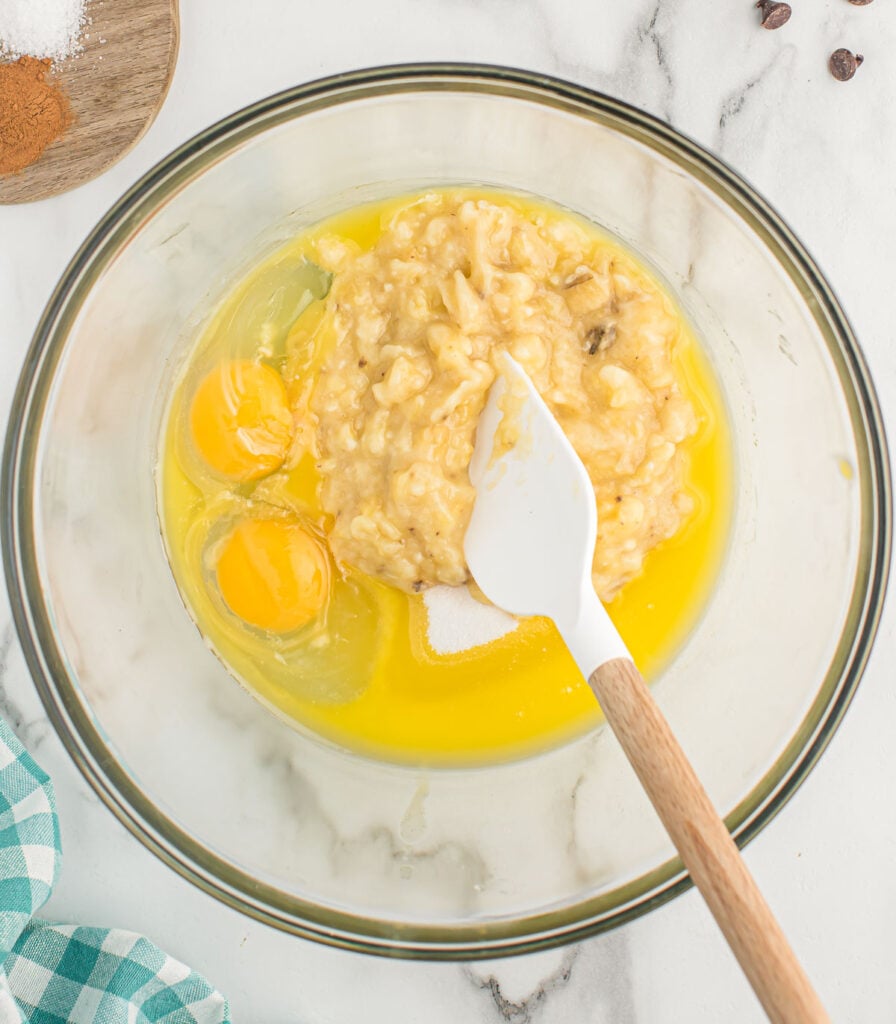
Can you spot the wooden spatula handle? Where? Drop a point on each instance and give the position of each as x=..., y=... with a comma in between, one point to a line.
x=705, y=845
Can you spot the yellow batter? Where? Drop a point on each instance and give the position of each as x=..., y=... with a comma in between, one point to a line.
x=362, y=674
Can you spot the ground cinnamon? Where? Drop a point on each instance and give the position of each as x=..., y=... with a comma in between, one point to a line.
x=33, y=113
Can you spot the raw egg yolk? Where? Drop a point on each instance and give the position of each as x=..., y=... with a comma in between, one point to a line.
x=273, y=574
x=240, y=420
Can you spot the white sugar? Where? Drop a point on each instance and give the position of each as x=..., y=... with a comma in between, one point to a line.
x=457, y=622
x=41, y=28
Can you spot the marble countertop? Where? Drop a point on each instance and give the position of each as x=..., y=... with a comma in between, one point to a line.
x=823, y=154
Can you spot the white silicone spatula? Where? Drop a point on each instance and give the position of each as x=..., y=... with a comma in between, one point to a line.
x=529, y=547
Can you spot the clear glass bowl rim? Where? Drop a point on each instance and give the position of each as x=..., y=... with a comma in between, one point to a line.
x=84, y=742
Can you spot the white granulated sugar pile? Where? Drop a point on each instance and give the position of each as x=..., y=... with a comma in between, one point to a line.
x=457, y=622
x=41, y=28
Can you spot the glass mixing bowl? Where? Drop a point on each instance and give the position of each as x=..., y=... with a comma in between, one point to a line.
x=375, y=856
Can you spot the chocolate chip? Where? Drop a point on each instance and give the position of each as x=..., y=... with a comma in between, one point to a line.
x=844, y=64
x=600, y=338
x=860, y=3
x=774, y=15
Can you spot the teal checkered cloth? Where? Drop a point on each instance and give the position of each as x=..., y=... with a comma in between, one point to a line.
x=65, y=974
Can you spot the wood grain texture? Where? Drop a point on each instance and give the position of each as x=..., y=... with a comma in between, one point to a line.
x=706, y=847
x=116, y=86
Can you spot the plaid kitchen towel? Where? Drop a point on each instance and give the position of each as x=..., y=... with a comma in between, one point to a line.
x=65, y=974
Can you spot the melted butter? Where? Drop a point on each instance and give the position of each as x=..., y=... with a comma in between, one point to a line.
x=380, y=689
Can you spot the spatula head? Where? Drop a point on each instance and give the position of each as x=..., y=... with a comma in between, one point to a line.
x=531, y=537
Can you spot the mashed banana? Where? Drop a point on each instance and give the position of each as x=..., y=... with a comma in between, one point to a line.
x=419, y=321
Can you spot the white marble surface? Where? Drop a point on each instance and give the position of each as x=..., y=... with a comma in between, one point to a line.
x=823, y=153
